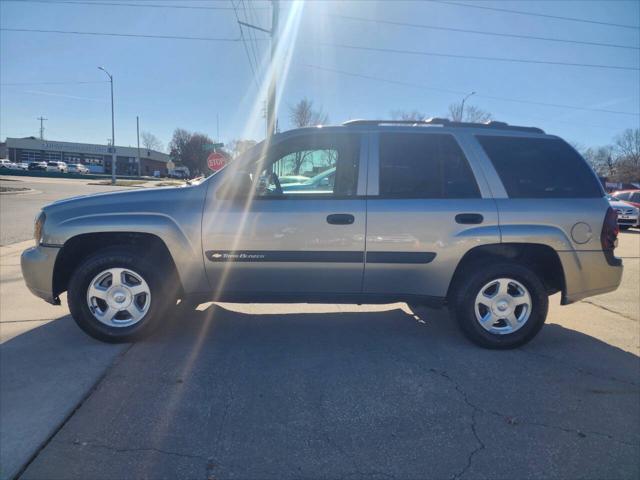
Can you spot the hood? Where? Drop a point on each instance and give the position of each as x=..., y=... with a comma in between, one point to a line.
x=117, y=196
x=621, y=204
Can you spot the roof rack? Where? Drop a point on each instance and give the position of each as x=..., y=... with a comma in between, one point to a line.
x=447, y=123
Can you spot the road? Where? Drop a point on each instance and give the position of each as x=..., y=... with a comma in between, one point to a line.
x=321, y=391
x=19, y=210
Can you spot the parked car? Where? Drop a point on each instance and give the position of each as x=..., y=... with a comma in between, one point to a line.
x=287, y=179
x=22, y=166
x=487, y=219
x=57, y=167
x=8, y=164
x=627, y=213
x=37, y=166
x=322, y=182
x=77, y=168
x=629, y=196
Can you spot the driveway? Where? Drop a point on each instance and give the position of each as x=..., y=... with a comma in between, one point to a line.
x=329, y=391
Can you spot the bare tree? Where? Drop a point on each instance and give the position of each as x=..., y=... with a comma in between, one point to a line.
x=302, y=114
x=238, y=147
x=471, y=113
x=627, y=149
x=408, y=115
x=601, y=160
x=151, y=142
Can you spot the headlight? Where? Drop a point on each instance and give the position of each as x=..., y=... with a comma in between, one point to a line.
x=37, y=228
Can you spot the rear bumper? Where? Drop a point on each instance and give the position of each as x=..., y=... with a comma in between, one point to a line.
x=37, y=270
x=587, y=274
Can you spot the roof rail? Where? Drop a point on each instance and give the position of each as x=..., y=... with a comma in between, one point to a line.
x=446, y=123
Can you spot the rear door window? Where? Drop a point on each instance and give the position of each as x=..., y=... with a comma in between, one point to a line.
x=540, y=168
x=414, y=165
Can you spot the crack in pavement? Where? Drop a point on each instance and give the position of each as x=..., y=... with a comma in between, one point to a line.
x=610, y=310
x=513, y=421
x=474, y=410
x=139, y=449
x=575, y=368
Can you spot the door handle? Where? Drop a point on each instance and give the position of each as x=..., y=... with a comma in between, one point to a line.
x=469, y=218
x=340, y=219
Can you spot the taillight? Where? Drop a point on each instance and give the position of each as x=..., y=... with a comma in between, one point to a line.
x=610, y=230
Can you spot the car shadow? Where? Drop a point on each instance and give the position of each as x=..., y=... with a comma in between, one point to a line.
x=222, y=392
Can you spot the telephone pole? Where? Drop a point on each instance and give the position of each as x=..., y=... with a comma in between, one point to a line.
x=271, y=93
x=138, y=135
x=42, y=119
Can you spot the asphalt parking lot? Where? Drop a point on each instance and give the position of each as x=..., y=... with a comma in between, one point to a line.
x=320, y=391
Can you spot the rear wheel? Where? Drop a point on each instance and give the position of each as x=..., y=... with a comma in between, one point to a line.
x=500, y=305
x=118, y=295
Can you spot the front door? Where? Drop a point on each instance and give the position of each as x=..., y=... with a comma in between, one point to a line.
x=301, y=228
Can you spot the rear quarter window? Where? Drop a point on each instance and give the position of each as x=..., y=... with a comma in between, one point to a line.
x=540, y=168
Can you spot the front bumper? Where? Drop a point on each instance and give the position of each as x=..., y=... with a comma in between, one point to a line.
x=38, y=264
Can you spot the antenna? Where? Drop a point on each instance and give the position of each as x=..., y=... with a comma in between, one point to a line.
x=42, y=119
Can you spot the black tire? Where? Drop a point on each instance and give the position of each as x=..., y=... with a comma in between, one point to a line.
x=159, y=278
x=624, y=227
x=467, y=287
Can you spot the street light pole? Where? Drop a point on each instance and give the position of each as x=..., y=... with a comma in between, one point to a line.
x=113, y=132
x=462, y=108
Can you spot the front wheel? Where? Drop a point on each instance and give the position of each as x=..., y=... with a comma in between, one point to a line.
x=500, y=305
x=118, y=295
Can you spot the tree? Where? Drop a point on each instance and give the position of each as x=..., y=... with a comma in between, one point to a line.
x=302, y=114
x=151, y=142
x=471, y=113
x=601, y=160
x=238, y=147
x=406, y=115
x=191, y=150
x=627, y=150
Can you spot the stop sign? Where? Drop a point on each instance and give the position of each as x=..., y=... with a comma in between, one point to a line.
x=216, y=161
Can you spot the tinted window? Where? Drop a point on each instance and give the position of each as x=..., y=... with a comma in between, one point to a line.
x=414, y=165
x=635, y=197
x=540, y=168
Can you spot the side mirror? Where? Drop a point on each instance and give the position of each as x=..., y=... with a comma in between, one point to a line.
x=238, y=186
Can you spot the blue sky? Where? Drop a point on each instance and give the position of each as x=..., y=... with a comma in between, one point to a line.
x=179, y=83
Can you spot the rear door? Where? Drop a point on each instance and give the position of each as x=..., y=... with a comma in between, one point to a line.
x=293, y=238
x=427, y=205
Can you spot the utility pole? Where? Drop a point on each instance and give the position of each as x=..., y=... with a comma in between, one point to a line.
x=217, y=127
x=42, y=119
x=271, y=100
x=138, y=135
x=271, y=93
x=113, y=132
x=462, y=107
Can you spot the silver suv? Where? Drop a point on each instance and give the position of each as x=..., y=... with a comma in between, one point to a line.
x=488, y=219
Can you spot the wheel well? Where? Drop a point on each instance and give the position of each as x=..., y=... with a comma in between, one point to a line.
x=78, y=248
x=542, y=259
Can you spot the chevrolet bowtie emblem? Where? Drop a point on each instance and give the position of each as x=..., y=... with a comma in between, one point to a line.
x=216, y=255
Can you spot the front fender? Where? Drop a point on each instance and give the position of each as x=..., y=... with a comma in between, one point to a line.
x=186, y=254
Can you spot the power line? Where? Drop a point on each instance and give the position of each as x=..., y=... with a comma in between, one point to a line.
x=49, y=83
x=460, y=92
x=473, y=57
x=532, y=14
x=109, y=34
x=117, y=4
x=336, y=45
x=481, y=32
x=246, y=49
